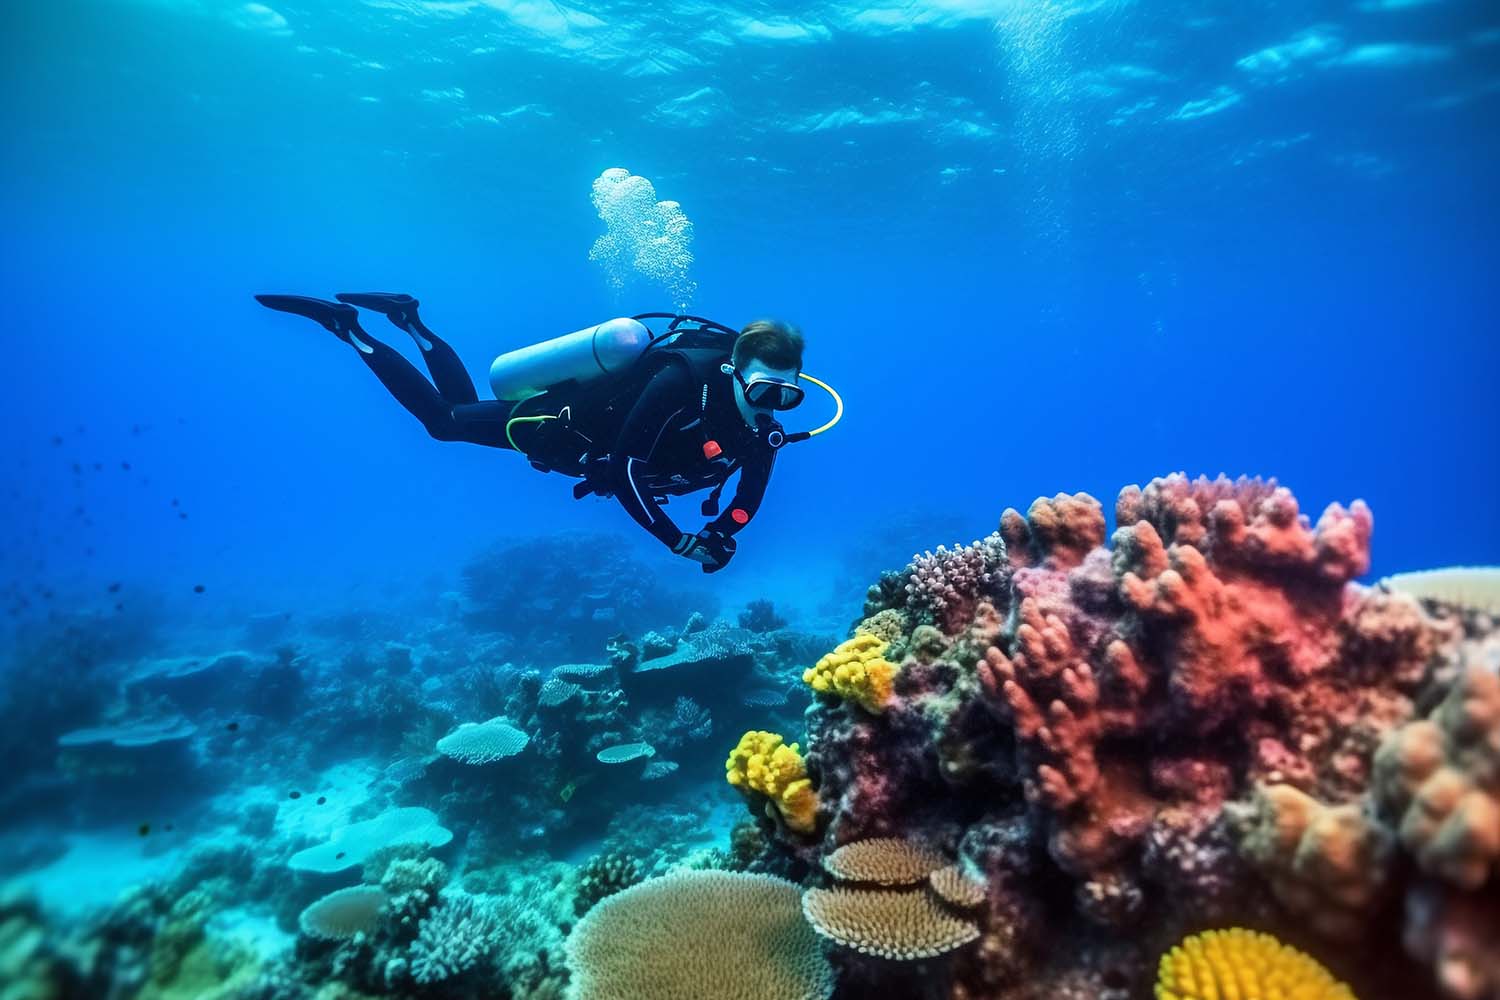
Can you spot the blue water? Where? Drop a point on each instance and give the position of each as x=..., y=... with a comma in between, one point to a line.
x=1039, y=247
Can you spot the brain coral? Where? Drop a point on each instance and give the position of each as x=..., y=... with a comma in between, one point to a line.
x=695, y=934
x=1219, y=965
x=483, y=742
x=343, y=913
x=353, y=844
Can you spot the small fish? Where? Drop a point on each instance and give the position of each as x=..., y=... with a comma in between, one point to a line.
x=144, y=829
x=119, y=605
x=233, y=727
x=174, y=501
x=56, y=440
x=339, y=856
x=294, y=794
x=125, y=466
x=322, y=800
x=114, y=588
x=199, y=588
x=182, y=515
x=169, y=827
x=98, y=466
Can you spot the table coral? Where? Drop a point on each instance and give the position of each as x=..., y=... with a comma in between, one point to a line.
x=694, y=934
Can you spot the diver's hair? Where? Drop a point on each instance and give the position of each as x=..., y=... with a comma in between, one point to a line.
x=777, y=344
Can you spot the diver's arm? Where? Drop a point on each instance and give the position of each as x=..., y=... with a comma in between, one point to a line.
x=755, y=473
x=660, y=401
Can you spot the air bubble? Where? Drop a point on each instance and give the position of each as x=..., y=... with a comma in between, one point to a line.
x=643, y=236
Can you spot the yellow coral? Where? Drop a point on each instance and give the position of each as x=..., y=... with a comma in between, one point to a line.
x=765, y=763
x=1219, y=965
x=856, y=671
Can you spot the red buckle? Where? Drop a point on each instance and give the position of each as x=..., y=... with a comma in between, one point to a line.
x=711, y=449
x=739, y=516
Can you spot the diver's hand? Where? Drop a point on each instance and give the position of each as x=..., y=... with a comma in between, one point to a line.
x=713, y=549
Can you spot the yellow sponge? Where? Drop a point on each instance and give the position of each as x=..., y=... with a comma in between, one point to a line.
x=766, y=764
x=856, y=671
x=1237, y=964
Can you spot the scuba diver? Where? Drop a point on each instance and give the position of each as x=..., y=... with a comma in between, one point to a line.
x=635, y=415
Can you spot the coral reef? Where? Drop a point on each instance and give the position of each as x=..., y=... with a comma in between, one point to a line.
x=1034, y=765
x=571, y=594
x=1126, y=740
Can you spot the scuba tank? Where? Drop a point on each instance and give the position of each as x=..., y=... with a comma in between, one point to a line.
x=610, y=347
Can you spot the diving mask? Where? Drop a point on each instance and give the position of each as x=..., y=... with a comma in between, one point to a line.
x=767, y=393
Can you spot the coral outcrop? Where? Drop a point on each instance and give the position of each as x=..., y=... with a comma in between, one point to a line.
x=1128, y=737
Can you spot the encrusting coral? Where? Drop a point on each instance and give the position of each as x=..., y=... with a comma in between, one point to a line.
x=1240, y=963
x=765, y=764
x=856, y=671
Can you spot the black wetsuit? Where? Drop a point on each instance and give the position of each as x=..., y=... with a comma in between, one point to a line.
x=682, y=434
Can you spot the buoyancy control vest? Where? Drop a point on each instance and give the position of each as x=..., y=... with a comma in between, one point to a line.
x=574, y=422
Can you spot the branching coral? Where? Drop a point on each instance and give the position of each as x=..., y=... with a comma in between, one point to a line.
x=604, y=875
x=764, y=764
x=946, y=584
x=856, y=671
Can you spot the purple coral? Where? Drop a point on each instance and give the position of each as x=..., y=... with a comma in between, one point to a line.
x=946, y=584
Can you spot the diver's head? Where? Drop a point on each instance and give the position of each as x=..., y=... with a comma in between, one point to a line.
x=766, y=361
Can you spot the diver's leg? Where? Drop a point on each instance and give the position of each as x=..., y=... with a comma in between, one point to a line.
x=448, y=372
x=399, y=376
